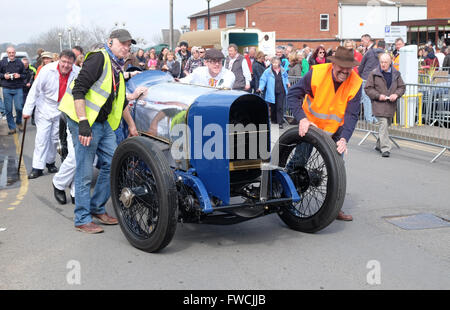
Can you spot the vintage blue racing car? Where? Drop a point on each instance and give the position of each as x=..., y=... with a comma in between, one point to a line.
x=204, y=155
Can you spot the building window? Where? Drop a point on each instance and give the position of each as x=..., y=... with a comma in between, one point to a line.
x=214, y=22
x=324, y=22
x=200, y=24
x=231, y=20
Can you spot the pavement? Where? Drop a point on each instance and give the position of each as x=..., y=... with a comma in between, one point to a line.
x=40, y=249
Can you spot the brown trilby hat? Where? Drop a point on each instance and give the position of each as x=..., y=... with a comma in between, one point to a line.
x=344, y=58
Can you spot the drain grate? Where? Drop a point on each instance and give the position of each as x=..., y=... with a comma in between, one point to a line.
x=417, y=221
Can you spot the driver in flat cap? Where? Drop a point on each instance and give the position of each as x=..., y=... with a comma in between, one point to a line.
x=94, y=104
x=213, y=74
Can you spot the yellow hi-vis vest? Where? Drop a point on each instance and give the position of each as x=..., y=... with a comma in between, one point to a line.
x=97, y=96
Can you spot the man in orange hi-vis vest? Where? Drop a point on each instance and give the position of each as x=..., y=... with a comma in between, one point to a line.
x=328, y=97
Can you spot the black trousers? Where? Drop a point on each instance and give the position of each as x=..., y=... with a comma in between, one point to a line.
x=277, y=108
x=63, y=136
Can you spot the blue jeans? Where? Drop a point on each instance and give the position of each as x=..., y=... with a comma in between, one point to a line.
x=2, y=106
x=9, y=96
x=367, y=104
x=103, y=144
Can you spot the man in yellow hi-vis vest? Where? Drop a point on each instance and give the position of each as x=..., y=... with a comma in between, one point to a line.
x=94, y=104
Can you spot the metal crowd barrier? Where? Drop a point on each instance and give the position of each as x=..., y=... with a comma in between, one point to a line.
x=294, y=79
x=423, y=116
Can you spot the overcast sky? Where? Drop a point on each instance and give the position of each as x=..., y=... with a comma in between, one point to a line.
x=22, y=20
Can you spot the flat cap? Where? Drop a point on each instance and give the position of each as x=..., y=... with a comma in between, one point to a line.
x=213, y=53
x=122, y=35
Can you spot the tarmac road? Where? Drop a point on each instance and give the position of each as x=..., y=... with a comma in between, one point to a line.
x=40, y=249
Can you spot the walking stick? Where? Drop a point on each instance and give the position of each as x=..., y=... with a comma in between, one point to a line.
x=21, y=149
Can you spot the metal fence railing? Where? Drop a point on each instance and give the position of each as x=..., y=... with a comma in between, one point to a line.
x=440, y=77
x=294, y=79
x=423, y=116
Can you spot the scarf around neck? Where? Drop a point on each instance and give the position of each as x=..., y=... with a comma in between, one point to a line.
x=116, y=62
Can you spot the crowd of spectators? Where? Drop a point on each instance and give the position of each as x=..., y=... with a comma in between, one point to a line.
x=245, y=69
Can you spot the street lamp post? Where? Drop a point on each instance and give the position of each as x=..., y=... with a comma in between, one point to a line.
x=171, y=26
x=184, y=29
x=398, y=5
x=60, y=41
x=209, y=15
x=70, y=37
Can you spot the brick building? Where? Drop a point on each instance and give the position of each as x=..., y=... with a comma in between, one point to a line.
x=310, y=22
x=438, y=9
x=287, y=18
x=435, y=28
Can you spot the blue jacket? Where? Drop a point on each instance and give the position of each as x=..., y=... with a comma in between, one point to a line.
x=267, y=82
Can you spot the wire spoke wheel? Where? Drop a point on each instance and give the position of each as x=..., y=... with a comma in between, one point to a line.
x=142, y=215
x=318, y=173
x=311, y=181
x=144, y=194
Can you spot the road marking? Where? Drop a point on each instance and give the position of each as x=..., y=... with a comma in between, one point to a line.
x=23, y=177
x=4, y=176
x=4, y=194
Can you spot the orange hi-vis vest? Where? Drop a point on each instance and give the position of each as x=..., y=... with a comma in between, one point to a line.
x=396, y=63
x=326, y=108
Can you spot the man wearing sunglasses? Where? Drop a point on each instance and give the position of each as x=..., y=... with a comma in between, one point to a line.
x=213, y=74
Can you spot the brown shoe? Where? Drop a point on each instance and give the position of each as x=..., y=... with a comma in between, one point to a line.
x=344, y=217
x=90, y=228
x=106, y=219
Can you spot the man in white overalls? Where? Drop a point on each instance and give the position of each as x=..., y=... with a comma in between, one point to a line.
x=45, y=95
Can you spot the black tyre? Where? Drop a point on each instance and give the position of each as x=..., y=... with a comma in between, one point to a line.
x=319, y=177
x=143, y=193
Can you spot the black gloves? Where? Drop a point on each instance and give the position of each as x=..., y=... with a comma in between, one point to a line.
x=84, y=129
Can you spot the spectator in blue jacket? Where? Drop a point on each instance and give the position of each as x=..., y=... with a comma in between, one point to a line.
x=275, y=82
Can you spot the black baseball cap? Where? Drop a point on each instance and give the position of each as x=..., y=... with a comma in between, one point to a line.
x=122, y=35
x=214, y=54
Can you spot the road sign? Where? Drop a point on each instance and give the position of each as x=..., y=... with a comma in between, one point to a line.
x=393, y=32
